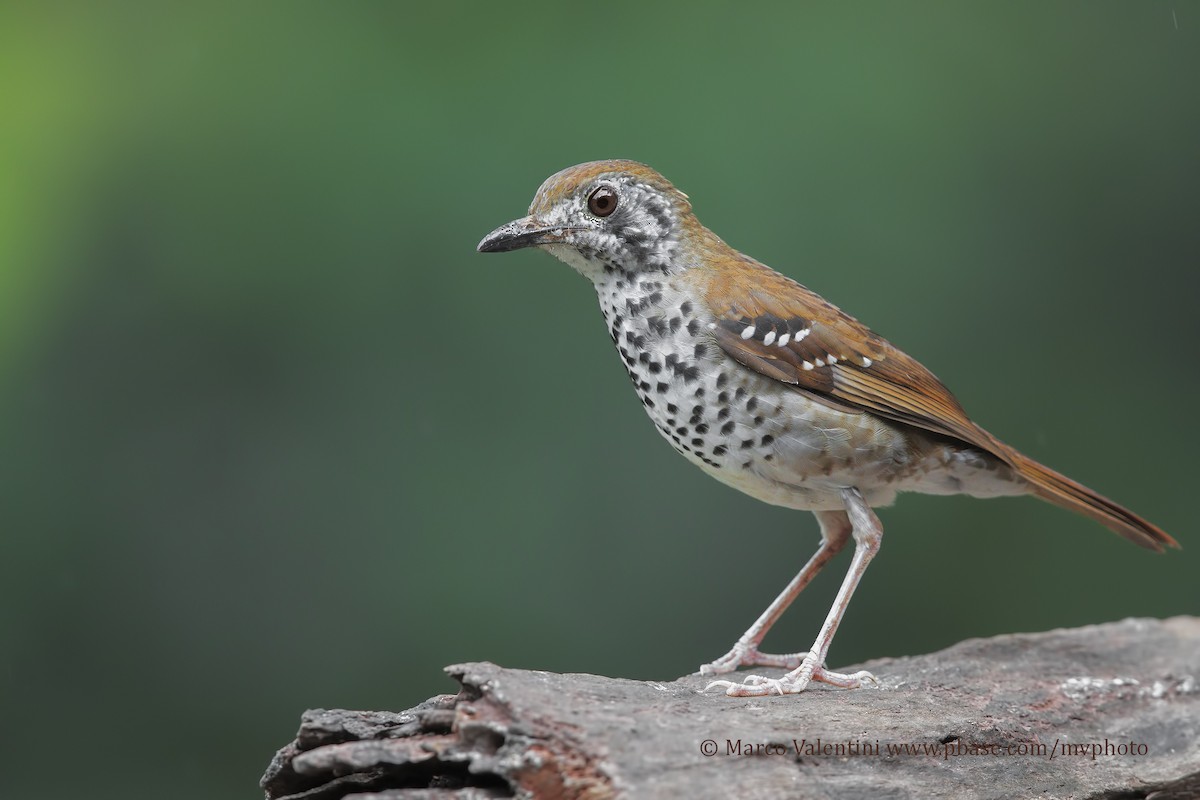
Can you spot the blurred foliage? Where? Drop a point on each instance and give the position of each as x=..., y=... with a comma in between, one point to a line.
x=276, y=437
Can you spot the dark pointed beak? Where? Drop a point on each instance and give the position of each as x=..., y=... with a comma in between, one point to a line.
x=523, y=232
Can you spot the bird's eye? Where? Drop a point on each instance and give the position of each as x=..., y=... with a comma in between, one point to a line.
x=602, y=201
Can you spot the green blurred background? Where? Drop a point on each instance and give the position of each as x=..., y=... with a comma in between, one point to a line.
x=276, y=437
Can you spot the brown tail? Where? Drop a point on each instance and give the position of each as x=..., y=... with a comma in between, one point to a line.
x=1062, y=491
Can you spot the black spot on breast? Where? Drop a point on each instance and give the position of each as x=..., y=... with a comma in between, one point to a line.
x=691, y=374
x=722, y=379
x=752, y=404
x=728, y=427
x=739, y=393
x=702, y=428
x=654, y=367
x=719, y=450
x=700, y=350
x=686, y=307
x=766, y=440
x=697, y=442
x=723, y=413
x=723, y=397
x=671, y=408
x=682, y=431
x=676, y=324
x=657, y=324
x=661, y=388
x=693, y=327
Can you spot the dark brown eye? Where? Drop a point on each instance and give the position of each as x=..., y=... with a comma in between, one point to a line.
x=602, y=201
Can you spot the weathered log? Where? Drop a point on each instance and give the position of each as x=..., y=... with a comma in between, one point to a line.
x=1105, y=711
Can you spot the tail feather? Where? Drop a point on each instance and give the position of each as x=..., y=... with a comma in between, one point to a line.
x=1062, y=491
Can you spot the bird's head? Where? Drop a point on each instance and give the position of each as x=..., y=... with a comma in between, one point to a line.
x=602, y=218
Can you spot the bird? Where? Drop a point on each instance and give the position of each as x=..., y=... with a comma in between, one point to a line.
x=773, y=390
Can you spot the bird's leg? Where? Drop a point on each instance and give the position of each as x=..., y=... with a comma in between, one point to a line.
x=867, y=532
x=835, y=532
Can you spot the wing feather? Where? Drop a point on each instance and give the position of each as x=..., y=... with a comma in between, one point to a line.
x=829, y=353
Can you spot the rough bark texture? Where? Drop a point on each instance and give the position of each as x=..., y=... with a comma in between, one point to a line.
x=1106, y=711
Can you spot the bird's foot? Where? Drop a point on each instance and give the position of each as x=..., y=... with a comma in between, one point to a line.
x=747, y=655
x=794, y=682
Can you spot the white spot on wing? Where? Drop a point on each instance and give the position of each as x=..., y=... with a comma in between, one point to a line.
x=783, y=340
x=801, y=334
x=807, y=365
x=867, y=362
x=746, y=334
x=769, y=338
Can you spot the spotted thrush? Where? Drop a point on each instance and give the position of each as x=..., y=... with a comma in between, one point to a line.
x=769, y=388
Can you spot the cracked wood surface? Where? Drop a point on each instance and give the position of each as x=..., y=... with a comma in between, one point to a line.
x=1104, y=711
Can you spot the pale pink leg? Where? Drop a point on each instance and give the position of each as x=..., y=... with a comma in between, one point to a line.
x=867, y=532
x=835, y=532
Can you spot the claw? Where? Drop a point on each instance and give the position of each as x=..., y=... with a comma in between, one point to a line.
x=794, y=682
x=719, y=685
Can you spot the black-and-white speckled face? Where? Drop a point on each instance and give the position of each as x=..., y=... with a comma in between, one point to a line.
x=602, y=218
